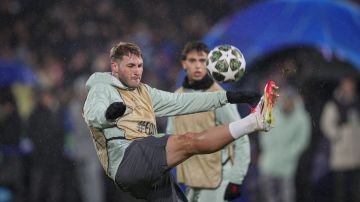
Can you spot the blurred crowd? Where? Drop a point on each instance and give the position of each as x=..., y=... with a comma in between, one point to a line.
x=45, y=150
x=62, y=40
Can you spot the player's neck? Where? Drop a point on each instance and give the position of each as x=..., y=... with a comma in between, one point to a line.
x=202, y=84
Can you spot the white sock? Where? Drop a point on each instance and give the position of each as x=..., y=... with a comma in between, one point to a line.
x=243, y=126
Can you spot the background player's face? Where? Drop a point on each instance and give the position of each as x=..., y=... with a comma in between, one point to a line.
x=129, y=70
x=195, y=65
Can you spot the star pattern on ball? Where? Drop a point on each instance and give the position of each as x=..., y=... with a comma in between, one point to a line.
x=229, y=75
x=226, y=63
x=227, y=56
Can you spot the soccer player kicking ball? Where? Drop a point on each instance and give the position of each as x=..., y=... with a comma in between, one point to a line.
x=120, y=112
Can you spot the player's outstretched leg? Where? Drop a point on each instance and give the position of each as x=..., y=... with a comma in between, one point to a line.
x=181, y=147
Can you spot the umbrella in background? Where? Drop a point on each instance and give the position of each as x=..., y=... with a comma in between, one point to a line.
x=269, y=26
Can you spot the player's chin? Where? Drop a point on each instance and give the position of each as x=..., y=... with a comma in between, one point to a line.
x=134, y=84
x=199, y=77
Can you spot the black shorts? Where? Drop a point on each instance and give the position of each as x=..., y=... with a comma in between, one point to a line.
x=144, y=172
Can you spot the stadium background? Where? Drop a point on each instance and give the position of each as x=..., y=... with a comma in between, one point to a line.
x=54, y=45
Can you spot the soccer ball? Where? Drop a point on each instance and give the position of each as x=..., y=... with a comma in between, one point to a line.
x=226, y=63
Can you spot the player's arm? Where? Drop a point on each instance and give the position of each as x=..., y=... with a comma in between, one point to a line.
x=99, y=98
x=243, y=97
x=239, y=169
x=170, y=104
x=241, y=160
x=227, y=114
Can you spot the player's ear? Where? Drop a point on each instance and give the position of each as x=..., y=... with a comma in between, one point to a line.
x=114, y=67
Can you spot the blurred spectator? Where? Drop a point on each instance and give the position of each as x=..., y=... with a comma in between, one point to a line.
x=11, y=172
x=282, y=147
x=89, y=169
x=46, y=131
x=340, y=123
x=78, y=65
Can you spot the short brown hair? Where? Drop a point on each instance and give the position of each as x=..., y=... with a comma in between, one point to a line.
x=124, y=48
x=194, y=46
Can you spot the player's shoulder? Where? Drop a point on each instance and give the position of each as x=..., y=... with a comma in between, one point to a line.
x=215, y=87
x=102, y=89
x=101, y=86
x=179, y=90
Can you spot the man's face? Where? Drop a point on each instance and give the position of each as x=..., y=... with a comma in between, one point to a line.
x=129, y=70
x=195, y=65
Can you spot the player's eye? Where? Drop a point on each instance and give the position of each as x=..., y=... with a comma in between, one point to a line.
x=202, y=60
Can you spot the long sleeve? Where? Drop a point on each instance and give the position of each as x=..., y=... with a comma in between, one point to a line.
x=241, y=160
x=98, y=100
x=227, y=114
x=171, y=104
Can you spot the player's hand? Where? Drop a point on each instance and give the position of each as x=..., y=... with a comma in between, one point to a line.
x=232, y=191
x=115, y=110
x=242, y=97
